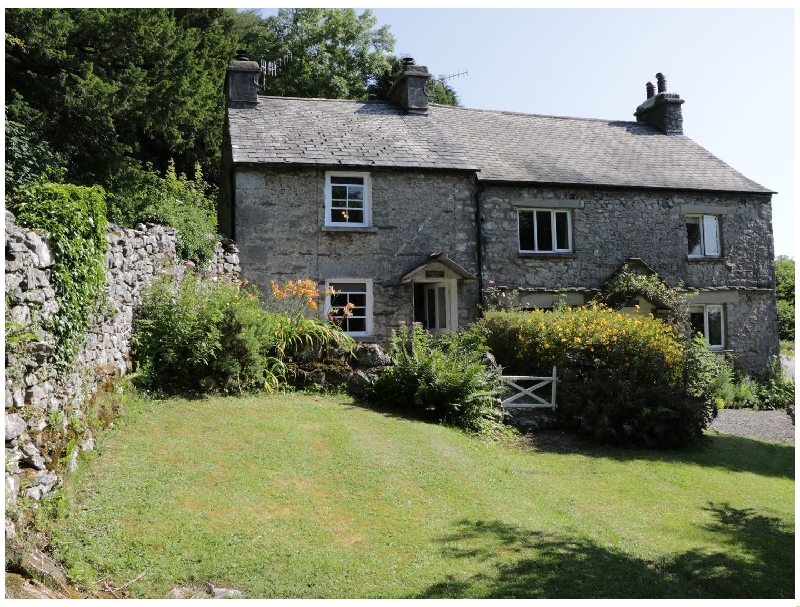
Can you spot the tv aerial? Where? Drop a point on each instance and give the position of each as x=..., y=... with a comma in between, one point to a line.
x=269, y=68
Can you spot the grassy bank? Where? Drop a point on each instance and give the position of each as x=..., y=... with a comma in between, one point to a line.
x=311, y=496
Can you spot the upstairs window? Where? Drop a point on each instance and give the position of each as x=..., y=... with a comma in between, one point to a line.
x=703, y=235
x=709, y=321
x=544, y=231
x=347, y=199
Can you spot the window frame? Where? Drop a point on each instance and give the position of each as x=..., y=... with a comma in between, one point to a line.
x=366, y=200
x=704, y=218
x=552, y=212
x=694, y=308
x=367, y=282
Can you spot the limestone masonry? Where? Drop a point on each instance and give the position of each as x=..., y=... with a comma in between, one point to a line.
x=43, y=411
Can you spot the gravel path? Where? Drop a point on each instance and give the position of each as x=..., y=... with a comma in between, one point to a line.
x=788, y=365
x=775, y=426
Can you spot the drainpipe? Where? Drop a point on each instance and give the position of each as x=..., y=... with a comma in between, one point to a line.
x=479, y=191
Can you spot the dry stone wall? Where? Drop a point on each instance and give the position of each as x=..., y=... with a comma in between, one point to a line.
x=46, y=414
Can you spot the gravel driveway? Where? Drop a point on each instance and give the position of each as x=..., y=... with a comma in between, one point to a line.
x=775, y=426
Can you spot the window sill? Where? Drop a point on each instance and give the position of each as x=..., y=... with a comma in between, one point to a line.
x=365, y=339
x=363, y=229
x=549, y=255
x=704, y=258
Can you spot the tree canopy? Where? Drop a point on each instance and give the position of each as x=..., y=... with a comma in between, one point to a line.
x=335, y=53
x=113, y=96
x=109, y=86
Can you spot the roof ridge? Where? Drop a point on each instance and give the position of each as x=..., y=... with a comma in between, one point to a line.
x=371, y=101
x=513, y=113
x=453, y=107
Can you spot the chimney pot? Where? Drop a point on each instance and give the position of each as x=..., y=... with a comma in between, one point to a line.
x=662, y=82
x=662, y=110
x=408, y=61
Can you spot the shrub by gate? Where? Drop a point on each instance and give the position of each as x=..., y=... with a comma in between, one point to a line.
x=526, y=397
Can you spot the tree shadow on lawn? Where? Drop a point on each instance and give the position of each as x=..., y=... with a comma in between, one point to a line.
x=725, y=451
x=521, y=563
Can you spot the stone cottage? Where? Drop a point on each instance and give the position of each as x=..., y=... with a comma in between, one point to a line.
x=410, y=210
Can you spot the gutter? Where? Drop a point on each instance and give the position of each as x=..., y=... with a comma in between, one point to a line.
x=479, y=191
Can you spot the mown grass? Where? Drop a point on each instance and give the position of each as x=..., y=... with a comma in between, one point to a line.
x=314, y=496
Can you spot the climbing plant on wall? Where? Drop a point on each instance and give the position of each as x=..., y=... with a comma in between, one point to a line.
x=74, y=218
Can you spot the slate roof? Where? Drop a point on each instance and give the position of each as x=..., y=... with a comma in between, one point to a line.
x=502, y=146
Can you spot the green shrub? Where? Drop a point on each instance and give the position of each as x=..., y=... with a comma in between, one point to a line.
x=197, y=336
x=74, y=218
x=202, y=335
x=776, y=390
x=440, y=377
x=182, y=204
x=631, y=384
x=532, y=343
x=713, y=378
x=28, y=157
x=174, y=201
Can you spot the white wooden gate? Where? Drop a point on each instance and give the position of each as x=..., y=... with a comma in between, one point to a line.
x=531, y=400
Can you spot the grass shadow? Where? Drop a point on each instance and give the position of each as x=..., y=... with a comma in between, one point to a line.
x=723, y=451
x=522, y=563
x=390, y=410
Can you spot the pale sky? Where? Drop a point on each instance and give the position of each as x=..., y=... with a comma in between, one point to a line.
x=735, y=69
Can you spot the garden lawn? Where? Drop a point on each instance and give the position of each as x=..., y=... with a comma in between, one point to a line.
x=317, y=497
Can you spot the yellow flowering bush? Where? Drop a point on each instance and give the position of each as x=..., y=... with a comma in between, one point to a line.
x=629, y=372
x=533, y=342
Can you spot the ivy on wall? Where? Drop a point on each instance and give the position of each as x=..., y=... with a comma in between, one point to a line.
x=74, y=218
x=630, y=284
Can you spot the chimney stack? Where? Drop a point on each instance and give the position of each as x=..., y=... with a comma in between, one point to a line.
x=662, y=110
x=241, y=82
x=410, y=88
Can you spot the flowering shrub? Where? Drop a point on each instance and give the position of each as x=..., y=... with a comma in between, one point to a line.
x=534, y=342
x=199, y=335
x=300, y=327
x=630, y=385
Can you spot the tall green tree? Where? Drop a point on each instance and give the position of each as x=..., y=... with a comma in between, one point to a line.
x=114, y=89
x=785, y=295
x=335, y=53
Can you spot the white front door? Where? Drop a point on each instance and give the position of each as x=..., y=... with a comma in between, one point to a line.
x=438, y=313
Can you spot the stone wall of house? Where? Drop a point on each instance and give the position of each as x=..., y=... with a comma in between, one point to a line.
x=610, y=227
x=752, y=330
x=46, y=414
x=280, y=219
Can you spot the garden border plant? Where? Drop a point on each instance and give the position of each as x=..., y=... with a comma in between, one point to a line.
x=199, y=335
x=444, y=377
